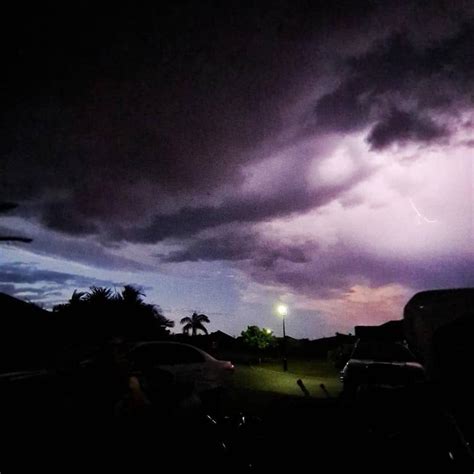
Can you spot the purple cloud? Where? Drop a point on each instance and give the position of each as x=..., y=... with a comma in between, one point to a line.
x=400, y=126
x=334, y=270
x=217, y=133
x=237, y=245
x=433, y=78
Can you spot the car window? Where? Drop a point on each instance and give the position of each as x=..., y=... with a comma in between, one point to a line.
x=166, y=354
x=380, y=351
x=185, y=355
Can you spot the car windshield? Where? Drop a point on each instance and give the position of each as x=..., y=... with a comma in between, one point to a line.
x=381, y=351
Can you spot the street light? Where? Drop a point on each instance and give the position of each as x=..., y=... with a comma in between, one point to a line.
x=282, y=310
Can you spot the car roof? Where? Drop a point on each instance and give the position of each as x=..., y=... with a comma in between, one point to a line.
x=171, y=343
x=379, y=350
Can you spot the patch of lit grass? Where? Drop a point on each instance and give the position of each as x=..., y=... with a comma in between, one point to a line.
x=270, y=377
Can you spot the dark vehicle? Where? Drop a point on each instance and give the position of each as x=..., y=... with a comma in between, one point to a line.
x=382, y=364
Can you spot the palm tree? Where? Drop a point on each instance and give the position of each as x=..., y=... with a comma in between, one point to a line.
x=75, y=302
x=195, y=323
x=143, y=317
x=131, y=296
x=104, y=312
x=162, y=322
x=99, y=295
x=77, y=298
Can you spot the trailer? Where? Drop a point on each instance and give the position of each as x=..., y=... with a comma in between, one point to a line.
x=439, y=328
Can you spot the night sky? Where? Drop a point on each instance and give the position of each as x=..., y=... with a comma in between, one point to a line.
x=224, y=156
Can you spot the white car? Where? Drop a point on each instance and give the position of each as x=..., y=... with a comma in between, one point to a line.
x=187, y=364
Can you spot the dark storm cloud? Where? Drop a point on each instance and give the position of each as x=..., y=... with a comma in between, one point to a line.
x=172, y=98
x=19, y=273
x=130, y=125
x=338, y=268
x=32, y=294
x=27, y=281
x=238, y=245
x=118, y=115
x=345, y=109
x=424, y=79
x=84, y=249
x=283, y=200
x=8, y=288
x=38, y=295
x=58, y=216
x=400, y=126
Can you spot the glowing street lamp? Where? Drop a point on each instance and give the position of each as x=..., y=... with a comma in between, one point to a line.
x=282, y=311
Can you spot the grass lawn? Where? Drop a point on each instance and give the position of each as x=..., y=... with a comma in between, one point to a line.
x=268, y=380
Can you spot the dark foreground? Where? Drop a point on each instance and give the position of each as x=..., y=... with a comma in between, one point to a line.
x=66, y=424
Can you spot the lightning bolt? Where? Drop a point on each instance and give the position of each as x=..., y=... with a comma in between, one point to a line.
x=420, y=216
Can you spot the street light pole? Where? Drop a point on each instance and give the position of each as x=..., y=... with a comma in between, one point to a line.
x=285, y=361
x=282, y=310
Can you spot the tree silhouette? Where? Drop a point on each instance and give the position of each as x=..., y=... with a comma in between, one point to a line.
x=75, y=302
x=131, y=296
x=5, y=207
x=101, y=312
x=99, y=296
x=258, y=339
x=195, y=323
x=147, y=318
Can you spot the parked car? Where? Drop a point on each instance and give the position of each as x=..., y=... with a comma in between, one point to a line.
x=186, y=363
x=380, y=363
